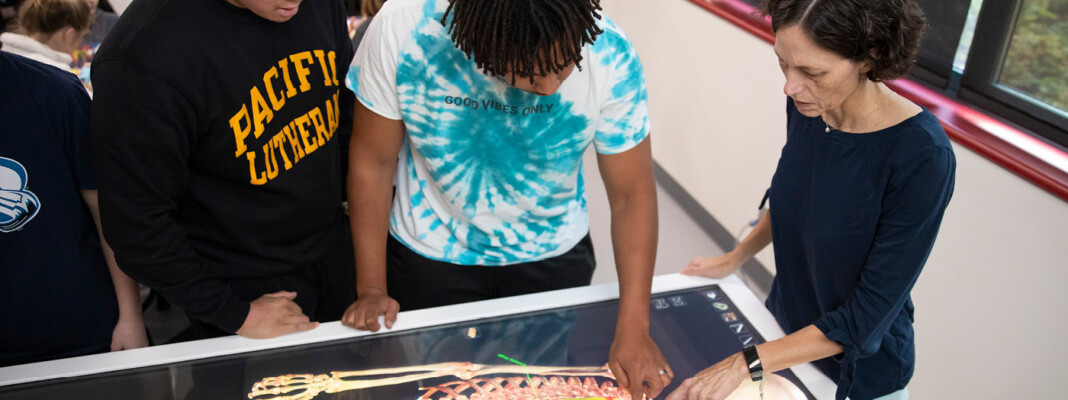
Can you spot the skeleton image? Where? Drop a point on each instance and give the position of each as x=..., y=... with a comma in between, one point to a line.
x=475, y=383
x=524, y=382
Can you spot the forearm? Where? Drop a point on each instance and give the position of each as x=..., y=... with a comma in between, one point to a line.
x=126, y=289
x=634, y=239
x=370, y=199
x=806, y=345
x=757, y=240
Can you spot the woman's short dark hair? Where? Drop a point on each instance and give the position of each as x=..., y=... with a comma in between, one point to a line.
x=885, y=33
x=524, y=37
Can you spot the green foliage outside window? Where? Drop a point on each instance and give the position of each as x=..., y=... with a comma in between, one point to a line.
x=1038, y=52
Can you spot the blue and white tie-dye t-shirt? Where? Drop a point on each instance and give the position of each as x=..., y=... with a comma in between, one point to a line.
x=489, y=174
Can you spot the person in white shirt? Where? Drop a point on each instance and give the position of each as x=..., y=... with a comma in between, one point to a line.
x=51, y=31
x=490, y=105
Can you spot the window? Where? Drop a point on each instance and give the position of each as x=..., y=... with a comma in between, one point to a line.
x=1016, y=69
x=939, y=48
x=1038, y=53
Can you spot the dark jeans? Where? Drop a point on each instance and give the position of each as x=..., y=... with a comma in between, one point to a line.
x=417, y=282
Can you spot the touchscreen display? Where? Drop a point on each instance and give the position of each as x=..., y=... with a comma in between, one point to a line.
x=546, y=355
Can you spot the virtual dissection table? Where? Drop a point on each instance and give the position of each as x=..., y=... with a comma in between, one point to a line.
x=544, y=346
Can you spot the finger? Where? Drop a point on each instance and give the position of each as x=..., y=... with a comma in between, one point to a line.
x=621, y=376
x=635, y=387
x=382, y=321
x=668, y=377
x=661, y=381
x=371, y=321
x=304, y=326
x=358, y=319
x=291, y=307
x=391, y=314
x=695, y=391
x=283, y=293
x=655, y=384
x=346, y=319
x=694, y=269
x=358, y=322
x=297, y=319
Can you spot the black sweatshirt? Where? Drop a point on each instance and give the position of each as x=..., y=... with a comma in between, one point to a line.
x=214, y=132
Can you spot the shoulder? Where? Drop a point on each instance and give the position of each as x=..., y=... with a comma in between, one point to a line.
x=922, y=133
x=613, y=59
x=155, y=29
x=36, y=78
x=399, y=21
x=41, y=97
x=402, y=13
x=612, y=38
x=922, y=147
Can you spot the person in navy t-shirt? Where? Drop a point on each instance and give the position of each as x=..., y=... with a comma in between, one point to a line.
x=58, y=287
x=856, y=203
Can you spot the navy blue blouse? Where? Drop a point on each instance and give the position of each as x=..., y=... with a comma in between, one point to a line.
x=854, y=217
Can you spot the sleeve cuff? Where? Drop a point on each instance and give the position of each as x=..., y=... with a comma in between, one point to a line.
x=231, y=315
x=624, y=147
x=849, y=348
x=378, y=110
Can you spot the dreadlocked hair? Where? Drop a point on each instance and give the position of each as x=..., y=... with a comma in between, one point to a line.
x=523, y=37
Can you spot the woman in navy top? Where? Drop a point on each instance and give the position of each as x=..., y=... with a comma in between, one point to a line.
x=856, y=203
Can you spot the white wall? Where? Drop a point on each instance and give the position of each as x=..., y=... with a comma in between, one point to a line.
x=119, y=5
x=991, y=306
x=716, y=104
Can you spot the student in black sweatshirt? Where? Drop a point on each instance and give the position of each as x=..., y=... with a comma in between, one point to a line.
x=214, y=128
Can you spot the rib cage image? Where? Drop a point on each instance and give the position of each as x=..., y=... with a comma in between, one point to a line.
x=521, y=382
x=521, y=387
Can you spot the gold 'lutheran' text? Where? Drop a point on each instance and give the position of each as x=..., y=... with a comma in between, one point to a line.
x=300, y=137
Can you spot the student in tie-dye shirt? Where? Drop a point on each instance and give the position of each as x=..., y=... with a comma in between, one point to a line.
x=479, y=112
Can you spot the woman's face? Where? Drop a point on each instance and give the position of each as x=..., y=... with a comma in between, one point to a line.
x=817, y=79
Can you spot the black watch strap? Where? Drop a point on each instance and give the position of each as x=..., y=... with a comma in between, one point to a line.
x=752, y=359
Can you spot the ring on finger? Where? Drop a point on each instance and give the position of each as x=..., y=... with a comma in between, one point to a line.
x=662, y=371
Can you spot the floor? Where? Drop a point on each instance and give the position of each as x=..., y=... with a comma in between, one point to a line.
x=680, y=239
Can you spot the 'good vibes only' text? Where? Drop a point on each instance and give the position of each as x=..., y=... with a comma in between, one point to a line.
x=493, y=105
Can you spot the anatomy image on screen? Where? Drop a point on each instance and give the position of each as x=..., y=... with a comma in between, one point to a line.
x=486, y=382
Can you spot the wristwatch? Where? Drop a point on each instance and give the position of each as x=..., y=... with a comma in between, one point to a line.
x=752, y=359
x=756, y=369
